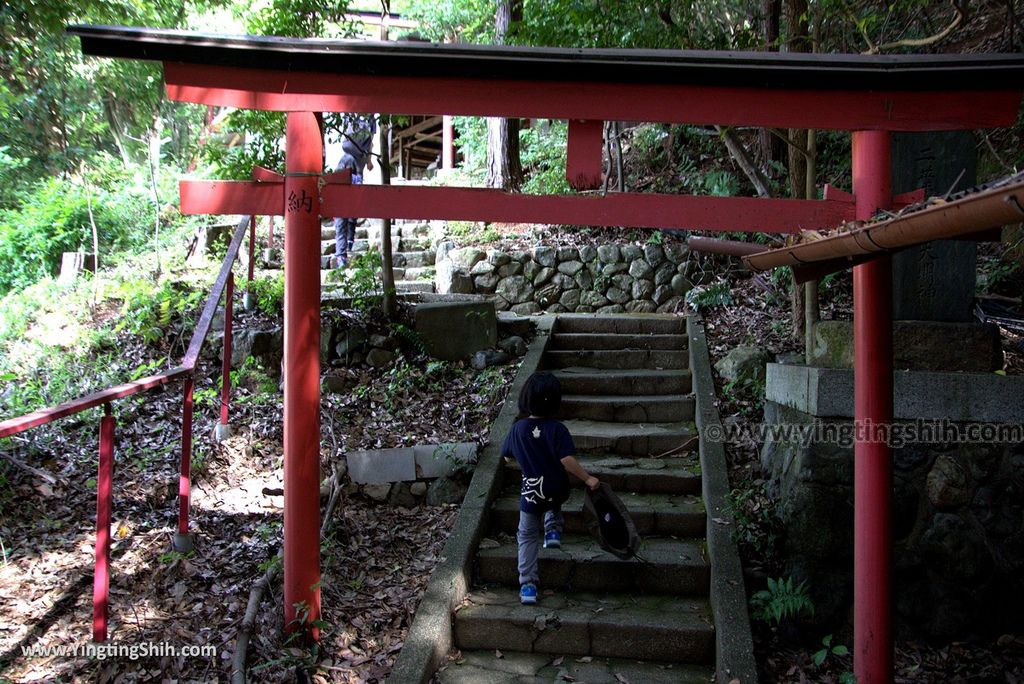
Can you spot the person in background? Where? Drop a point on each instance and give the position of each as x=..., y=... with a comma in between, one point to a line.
x=357, y=146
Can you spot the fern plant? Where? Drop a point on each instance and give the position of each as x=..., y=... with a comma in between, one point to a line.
x=710, y=296
x=409, y=339
x=782, y=600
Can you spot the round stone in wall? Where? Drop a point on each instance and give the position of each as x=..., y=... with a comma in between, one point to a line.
x=640, y=269
x=609, y=254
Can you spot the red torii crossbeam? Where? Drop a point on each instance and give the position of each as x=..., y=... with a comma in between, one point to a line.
x=867, y=95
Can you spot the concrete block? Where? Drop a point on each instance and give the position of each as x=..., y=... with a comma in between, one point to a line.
x=455, y=330
x=959, y=397
x=439, y=460
x=377, y=466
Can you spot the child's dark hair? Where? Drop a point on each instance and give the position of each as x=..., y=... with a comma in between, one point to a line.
x=541, y=396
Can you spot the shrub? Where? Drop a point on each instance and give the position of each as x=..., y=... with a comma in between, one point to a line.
x=53, y=217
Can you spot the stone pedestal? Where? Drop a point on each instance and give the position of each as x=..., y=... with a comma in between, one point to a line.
x=917, y=345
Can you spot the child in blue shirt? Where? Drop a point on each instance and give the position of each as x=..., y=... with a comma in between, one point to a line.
x=546, y=454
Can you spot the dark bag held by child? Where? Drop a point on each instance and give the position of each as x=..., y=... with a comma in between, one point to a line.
x=609, y=522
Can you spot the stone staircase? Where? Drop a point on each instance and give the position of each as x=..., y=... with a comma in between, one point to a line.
x=627, y=402
x=411, y=249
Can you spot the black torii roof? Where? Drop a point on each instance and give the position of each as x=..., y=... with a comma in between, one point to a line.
x=693, y=67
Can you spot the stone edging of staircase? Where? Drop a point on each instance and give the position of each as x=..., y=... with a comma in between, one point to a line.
x=430, y=636
x=734, y=652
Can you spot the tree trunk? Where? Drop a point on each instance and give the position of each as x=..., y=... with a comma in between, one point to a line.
x=504, y=169
x=797, y=41
x=387, y=272
x=771, y=147
x=387, y=262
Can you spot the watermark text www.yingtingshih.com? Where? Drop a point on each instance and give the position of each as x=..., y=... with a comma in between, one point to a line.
x=845, y=434
x=134, y=651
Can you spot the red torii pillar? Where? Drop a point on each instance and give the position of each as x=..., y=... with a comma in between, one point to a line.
x=873, y=410
x=298, y=199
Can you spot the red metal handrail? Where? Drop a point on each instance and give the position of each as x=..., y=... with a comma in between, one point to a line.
x=186, y=371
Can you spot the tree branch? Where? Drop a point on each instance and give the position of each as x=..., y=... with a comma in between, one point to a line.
x=739, y=154
x=920, y=42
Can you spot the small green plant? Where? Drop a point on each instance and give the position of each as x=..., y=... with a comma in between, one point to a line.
x=721, y=183
x=827, y=650
x=148, y=312
x=459, y=467
x=269, y=293
x=782, y=600
x=361, y=280
x=756, y=521
x=409, y=338
x=172, y=557
x=656, y=237
x=710, y=296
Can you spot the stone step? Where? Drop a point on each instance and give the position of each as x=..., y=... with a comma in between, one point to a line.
x=670, y=475
x=631, y=324
x=635, y=439
x=414, y=286
x=637, y=408
x=420, y=273
x=327, y=247
x=583, y=380
x=413, y=259
x=680, y=515
x=670, y=566
x=618, y=358
x=486, y=667
x=606, y=625
x=596, y=341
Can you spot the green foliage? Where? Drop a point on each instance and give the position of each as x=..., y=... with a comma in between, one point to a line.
x=53, y=217
x=542, y=152
x=148, y=310
x=362, y=279
x=12, y=176
x=262, y=146
x=782, y=600
x=409, y=339
x=720, y=182
x=587, y=23
x=710, y=296
x=269, y=293
x=828, y=649
x=756, y=522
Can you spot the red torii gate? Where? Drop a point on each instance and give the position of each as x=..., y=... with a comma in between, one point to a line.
x=870, y=96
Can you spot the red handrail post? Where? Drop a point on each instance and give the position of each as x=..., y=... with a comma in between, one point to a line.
x=873, y=409
x=303, y=164
x=104, y=493
x=223, y=429
x=182, y=540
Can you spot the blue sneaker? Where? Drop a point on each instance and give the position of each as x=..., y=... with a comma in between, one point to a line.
x=553, y=540
x=528, y=594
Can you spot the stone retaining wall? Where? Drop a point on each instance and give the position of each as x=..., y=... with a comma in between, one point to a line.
x=957, y=527
x=609, y=278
